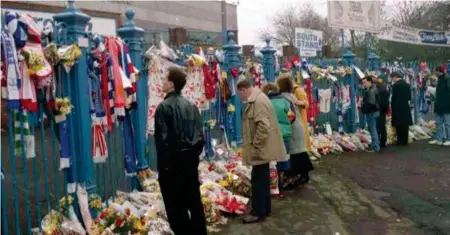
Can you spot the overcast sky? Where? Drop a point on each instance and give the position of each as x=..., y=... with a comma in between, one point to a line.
x=255, y=15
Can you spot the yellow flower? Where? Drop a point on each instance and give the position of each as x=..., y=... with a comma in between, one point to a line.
x=212, y=123
x=224, y=183
x=224, y=75
x=231, y=108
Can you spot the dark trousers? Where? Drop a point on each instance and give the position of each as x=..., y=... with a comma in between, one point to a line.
x=301, y=165
x=402, y=134
x=381, y=129
x=261, y=201
x=180, y=189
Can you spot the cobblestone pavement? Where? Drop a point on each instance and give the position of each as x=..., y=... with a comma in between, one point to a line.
x=403, y=190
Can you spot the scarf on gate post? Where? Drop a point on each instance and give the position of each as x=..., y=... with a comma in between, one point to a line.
x=119, y=91
x=99, y=147
x=13, y=80
x=28, y=137
x=130, y=154
x=130, y=73
x=107, y=87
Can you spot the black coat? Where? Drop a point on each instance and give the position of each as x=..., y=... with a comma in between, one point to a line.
x=178, y=134
x=383, y=96
x=401, y=111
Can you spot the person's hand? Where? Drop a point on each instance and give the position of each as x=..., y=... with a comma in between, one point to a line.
x=299, y=103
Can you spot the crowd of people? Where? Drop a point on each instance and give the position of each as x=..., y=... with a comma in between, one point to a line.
x=274, y=129
x=375, y=106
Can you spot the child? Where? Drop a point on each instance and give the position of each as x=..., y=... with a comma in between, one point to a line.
x=285, y=116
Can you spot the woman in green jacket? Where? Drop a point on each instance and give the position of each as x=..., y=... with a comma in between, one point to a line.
x=285, y=116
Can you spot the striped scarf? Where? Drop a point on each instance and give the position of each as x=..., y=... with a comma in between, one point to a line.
x=28, y=137
x=99, y=148
x=12, y=83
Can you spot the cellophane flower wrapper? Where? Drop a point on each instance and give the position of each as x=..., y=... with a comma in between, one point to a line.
x=148, y=180
x=212, y=214
x=159, y=227
x=56, y=223
x=315, y=152
x=363, y=136
x=357, y=142
x=419, y=132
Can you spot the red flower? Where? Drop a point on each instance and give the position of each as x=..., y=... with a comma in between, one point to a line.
x=234, y=72
x=211, y=167
x=119, y=222
x=103, y=214
x=127, y=211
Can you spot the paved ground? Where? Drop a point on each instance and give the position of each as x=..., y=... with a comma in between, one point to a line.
x=400, y=191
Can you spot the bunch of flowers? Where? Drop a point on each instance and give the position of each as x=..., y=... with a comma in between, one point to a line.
x=112, y=221
x=65, y=203
x=63, y=106
x=95, y=202
x=34, y=58
x=55, y=223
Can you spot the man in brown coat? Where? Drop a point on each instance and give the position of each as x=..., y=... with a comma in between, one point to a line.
x=262, y=143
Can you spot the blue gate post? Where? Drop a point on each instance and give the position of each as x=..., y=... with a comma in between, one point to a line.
x=348, y=59
x=232, y=60
x=269, y=61
x=75, y=22
x=133, y=37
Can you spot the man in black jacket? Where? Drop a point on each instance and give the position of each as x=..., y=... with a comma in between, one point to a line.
x=401, y=110
x=383, y=104
x=370, y=108
x=179, y=142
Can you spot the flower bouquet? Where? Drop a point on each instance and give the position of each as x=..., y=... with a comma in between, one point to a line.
x=95, y=204
x=148, y=180
x=112, y=221
x=69, y=56
x=56, y=223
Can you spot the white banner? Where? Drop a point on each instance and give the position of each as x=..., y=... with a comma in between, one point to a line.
x=356, y=15
x=400, y=33
x=308, y=41
x=101, y=26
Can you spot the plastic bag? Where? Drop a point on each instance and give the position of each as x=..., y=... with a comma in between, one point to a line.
x=274, y=190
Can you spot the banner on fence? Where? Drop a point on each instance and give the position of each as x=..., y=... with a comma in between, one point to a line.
x=101, y=26
x=308, y=41
x=356, y=15
x=392, y=31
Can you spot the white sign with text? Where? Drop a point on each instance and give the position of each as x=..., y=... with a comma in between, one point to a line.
x=357, y=15
x=308, y=41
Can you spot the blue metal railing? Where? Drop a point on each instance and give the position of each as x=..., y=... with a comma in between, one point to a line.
x=33, y=187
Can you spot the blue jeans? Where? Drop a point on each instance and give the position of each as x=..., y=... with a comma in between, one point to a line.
x=371, y=120
x=442, y=120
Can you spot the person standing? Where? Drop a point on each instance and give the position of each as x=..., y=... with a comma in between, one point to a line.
x=370, y=108
x=303, y=104
x=300, y=163
x=179, y=142
x=383, y=104
x=262, y=144
x=442, y=108
x=401, y=111
x=285, y=116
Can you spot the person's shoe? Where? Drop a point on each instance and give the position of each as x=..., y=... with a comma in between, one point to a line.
x=251, y=219
x=446, y=144
x=303, y=180
x=435, y=142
